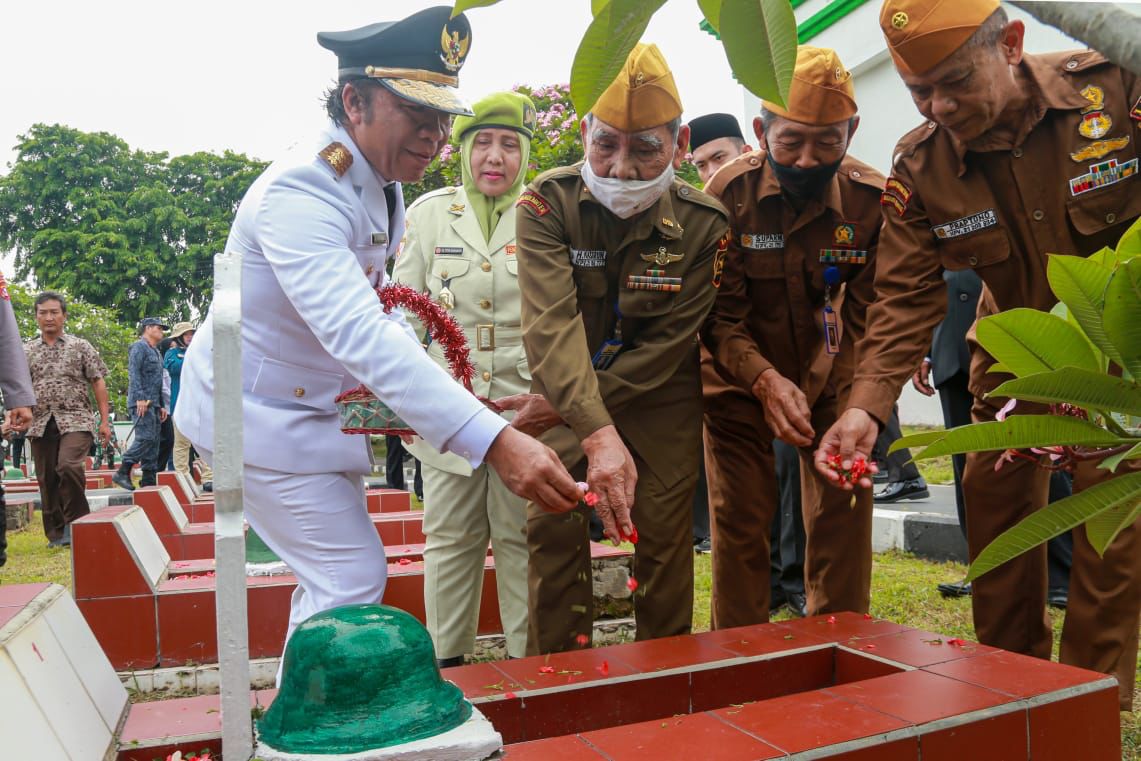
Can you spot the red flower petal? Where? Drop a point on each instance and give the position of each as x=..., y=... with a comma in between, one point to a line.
x=957, y=642
x=631, y=583
x=546, y=669
x=404, y=561
x=604, y=669
x=831, y=619
x=508, y=695
x=633, y=535
x=582, y=640
x=867, y=616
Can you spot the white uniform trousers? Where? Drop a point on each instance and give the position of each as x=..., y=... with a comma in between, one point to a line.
x=317, y=523
x=461, y=514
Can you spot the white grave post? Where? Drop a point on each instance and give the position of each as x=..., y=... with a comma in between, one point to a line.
x=229, y=532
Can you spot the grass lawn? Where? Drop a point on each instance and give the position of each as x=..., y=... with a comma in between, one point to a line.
x=903, y=590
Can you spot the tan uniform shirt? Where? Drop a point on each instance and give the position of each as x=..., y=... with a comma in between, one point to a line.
x=575, y=261
x=61, y=376
x=1069, y=186
x=768, y=312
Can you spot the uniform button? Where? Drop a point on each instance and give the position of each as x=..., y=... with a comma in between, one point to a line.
x=1038, y=215
x=299, y=392
x=964, y=297
x=1111, y=217
x=486, y=375
x=930, y=125
x=683, y=191
x=1016, y=153
x=753, y=161
x=444, y=274
x=486, y=266
x=973, y=261
x=1072, y=64
x=856, y=173
x=484, y=304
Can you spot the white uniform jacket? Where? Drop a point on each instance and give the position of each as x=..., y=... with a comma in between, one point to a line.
x=314, y=245
x=444, y=247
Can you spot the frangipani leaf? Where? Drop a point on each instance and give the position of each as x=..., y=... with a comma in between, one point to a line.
x=604, y=48
x=596, y=6
x=916, y=440
x=1020, y=432
x=711, y=9
x=1121, y=316
x=1081, y=284
x=1104, y=527
x=1027, y=342
x=1056, y=518
x=467, y=5
x=759, y=37
x=1130, y=244
x=1092, y=390
x=1110, y=463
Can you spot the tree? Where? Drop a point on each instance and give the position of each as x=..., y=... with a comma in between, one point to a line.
x=121, y=228
x=98, y=325
x=759, y=37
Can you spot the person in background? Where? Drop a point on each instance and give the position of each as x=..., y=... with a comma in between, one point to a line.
x=165, y=457
x=64, y=369
x=459, y=247
x=180, y=338
x=145, y=398
x=16, y=389
x=901, y=478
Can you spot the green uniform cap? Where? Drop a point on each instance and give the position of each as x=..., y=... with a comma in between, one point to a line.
x=506, y=110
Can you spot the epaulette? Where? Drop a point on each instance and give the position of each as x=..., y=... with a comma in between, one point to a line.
x=558, y=173
x=907, y=144
x=731, y=170
x=687, y=192
x=338, y=157
x=1075, y=61
x=444, y=192
x=864, y=174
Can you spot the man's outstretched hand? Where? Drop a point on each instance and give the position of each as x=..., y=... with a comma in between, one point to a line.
x=534, y=415
x=851, y=437
x=612, y=476
x=533, y=471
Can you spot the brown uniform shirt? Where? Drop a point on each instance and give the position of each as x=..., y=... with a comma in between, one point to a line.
x=575, y=261
x=1069, y=186
x=61, y=376
x=768, y=312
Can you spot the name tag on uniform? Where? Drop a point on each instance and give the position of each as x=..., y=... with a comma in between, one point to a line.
x=588, y=258
x=966, y=225
x=449, y=250
x=762, y=241
x=380, y=239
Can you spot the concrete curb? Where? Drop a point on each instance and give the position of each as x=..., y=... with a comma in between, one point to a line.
x=930, y=536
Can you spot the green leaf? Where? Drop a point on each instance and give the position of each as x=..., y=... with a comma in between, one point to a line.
x=759, y=37
x=916, y=440
x=1026, y=342
x=1104, y=527
x=1106, y=257
x=596, y=6
x=711, y=9
x=604, y=48
x=1022, y=432
x=1130, y=244
x=1121, y=316
x=1081, y=284
x=1092, y=390
x=467, y=5
x=1054, y=519
x=1111, y=463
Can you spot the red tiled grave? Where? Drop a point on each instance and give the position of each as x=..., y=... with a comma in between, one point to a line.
x=918, y=697
x=701, y=735
x=1084, y=727
x=1011, y=673
x=998, y=738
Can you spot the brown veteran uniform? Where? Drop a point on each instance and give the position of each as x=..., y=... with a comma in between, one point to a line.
x=576, y=261
x=769, y=315
x=1069, y=185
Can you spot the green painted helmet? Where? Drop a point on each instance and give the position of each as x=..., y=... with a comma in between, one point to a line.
x=356, y=678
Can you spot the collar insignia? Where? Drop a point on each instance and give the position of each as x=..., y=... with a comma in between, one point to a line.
x=338, y=157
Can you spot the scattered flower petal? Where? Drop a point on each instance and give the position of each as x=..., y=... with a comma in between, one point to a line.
x=509, y=696
x=1006, y=408
x=582, y=640
x=831, y=619
x=546, y=669
x=867, y=616
x=956, y=642
x=604, y=669
x=632, y=584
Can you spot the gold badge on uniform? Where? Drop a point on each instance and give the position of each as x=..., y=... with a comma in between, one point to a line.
x=845, y=234
x=1095, y=124
x=338, y=157
x=1096, y=97
x=1100, y=148
x=457, y=208
x=446, y=298
x=661, y=257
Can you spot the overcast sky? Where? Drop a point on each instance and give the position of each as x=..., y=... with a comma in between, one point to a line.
x=212, y=75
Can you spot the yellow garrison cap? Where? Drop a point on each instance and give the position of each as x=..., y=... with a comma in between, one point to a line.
x=644, y=94
x=821, y=91
x=922, y=33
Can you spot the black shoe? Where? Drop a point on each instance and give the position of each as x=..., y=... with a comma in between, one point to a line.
x=703, y=547
x=1058, y=598
x=123, y=480
x=915, y=488
x=798, y=604
x=777, y=599
x=207, y=486
x=881, y=476
x=447, y=663
x=150, y=478
x=955, y=589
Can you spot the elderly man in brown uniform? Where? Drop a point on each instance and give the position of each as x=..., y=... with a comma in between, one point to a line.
x=805, y=220
x=617, y=271
x=1023, y=155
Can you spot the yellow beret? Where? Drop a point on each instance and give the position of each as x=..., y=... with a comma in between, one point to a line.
x=643, y=96
x=821, y=91
x=921, y=34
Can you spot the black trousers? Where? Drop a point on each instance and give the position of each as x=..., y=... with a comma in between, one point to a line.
x=3, y=527
x=788, y=537
x=899, y=465
x=394, y=466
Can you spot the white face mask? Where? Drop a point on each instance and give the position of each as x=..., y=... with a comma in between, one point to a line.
x=627, y=197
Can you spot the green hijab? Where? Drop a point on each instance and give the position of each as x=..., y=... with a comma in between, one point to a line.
x=503, y=110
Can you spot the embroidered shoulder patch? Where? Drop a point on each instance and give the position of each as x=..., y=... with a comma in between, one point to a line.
x=588, y=258
x=895, y=195
x=719, y=258
x=4, y=288
x=338, y=157
x=966, y=225
x=534, y=202
x=1135, y=113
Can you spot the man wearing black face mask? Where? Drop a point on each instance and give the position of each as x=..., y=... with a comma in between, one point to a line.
x=805, y=222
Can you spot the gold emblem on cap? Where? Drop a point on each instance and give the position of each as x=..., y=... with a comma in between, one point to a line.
x=338, y=157
x=453, y=50
x=899, y=19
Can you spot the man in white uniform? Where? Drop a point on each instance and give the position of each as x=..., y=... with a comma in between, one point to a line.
x=315, y=231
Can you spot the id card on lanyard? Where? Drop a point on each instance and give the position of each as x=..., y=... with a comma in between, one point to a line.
x=610, y=348
x=831, y=323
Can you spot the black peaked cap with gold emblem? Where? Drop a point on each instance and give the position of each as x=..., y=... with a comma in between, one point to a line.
x=418, y=58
